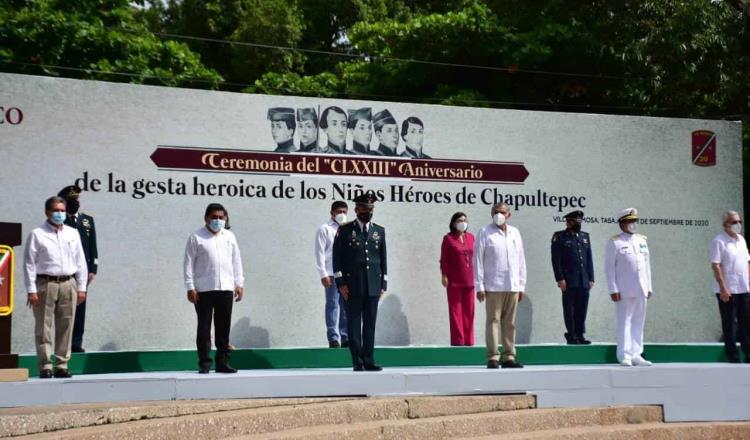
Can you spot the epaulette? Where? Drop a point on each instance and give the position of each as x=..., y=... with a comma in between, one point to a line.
x=615, y=237
x=555, y=236
x=643, y=236
x=375, y=224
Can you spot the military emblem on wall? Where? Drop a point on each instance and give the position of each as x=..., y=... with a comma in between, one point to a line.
x=704, y=148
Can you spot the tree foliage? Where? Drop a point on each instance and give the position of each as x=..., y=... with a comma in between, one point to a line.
x=94, y=37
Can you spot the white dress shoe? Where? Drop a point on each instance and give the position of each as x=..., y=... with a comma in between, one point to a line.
x=626, y=362
x=640, y=362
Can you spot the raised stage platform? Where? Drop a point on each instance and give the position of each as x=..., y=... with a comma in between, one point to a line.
x=687, y=391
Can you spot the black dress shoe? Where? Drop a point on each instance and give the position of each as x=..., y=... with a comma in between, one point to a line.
x=345, y=344
x=334, y=344
x=45, y=374
x=203, y=371
x=358, y=368
x=582, y=340
x=571, y=339
x=78, y=350
x=62, y=373
x=511, y=364
x=493, y=364
x=226, y=369
x=373, y=367
x=734, y=360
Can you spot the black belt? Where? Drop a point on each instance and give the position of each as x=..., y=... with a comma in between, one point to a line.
x=55, y=278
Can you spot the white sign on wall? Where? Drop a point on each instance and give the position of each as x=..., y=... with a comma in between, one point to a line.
x=151, y=158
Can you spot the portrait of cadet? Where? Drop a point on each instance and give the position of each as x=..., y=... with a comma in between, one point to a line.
x=282, y=128
x=213, y=279
x=500, y=281
x=574, y=273
x=335, y=309
x=729, y=260
x=360, y=123
x=361, y=273
x=412, y=132
x=333, y=121
x=627, y=264
x=84, y=224
x=55, y=275
x=307, y=127
x=386, y=130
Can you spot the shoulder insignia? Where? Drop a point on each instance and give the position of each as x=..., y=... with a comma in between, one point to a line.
x=615, y=237
x=555, y=236
x=643, y=237
x=375, y=224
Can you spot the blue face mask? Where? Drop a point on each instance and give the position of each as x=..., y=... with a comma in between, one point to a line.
x=216, y=225
x=58, y=217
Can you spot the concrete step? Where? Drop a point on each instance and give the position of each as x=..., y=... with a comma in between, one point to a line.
x=268, y=419
x=470, y=425
x=38, y=419
x=646, y=431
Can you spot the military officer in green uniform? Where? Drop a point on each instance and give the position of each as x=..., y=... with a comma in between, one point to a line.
x=574, y=273
x=360, y=270
x=84, y=223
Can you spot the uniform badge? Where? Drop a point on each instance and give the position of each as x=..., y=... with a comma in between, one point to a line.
x=354, y=234
x=585, y=241
x=86, y=223
x=375, y=236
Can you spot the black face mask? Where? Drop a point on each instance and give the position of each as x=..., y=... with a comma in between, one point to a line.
x=72, y=206
x=364, y=217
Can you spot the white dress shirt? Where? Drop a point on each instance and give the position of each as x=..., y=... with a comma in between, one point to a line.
x=733, y=257
x=212, y=261
x=628, y=265
x=499, y=260
x=324, y=248
x=56, y=252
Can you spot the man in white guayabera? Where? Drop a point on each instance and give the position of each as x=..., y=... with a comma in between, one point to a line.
x=729, y=261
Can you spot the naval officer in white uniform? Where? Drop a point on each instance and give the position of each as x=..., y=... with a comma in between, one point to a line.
x=628, y=268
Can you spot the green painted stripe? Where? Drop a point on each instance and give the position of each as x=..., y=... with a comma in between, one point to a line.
x=185, y=360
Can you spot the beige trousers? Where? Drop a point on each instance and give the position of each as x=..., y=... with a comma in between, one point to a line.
x=501, y=312
x=57, y=304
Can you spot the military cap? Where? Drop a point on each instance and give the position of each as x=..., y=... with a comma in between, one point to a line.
x=627, y=214
x=280, y=114
x=70, y=192
x=367, y=198
x=364, y=113
x=308, y=113
x=574, y=215
x=382, y=118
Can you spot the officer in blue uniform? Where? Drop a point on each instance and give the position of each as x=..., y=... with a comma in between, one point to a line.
x=360, y=270
x=84, y=223
x=574, y=273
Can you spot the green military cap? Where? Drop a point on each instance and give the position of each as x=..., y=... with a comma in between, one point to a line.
x=367, y=198
x=280, y=114
x=364, y=113
x=382, y=118
x=70, y=192
x=307, y=114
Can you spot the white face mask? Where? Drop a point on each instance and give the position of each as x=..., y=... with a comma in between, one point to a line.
x=737, y=228
x=216, y=225
x=340, y=218
x=499, y=219
x=461, y=226
x=631, y=228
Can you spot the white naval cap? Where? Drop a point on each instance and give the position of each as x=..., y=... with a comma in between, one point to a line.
x=627, y=214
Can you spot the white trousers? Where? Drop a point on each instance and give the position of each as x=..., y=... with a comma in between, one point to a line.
x=631, y=317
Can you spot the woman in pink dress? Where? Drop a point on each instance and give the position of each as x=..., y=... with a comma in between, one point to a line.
x=457, y=267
